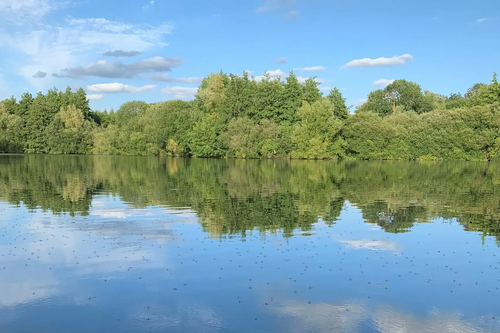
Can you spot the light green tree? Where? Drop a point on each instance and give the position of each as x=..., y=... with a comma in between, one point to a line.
x=317, y=135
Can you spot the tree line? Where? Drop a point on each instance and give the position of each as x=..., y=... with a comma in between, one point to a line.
x=238, y=116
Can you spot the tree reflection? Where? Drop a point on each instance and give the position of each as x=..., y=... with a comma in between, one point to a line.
x=236, y=196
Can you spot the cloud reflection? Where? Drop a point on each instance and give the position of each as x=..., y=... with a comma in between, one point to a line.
x=354, y=317
x=366, y=244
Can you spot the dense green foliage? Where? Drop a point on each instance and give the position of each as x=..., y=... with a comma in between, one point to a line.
x=238, y=196
x=239, y=116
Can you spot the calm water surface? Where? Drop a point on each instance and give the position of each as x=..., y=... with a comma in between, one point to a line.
x=125, y=244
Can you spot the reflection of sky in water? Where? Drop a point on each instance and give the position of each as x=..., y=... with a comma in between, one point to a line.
x=124, y=269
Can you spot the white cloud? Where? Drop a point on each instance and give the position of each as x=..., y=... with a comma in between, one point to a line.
x=180, y=92
x=325, y=88
x=275, y=73
x=382, y=83
x=149, y=4
x=311, y=69
x=165, y=78
x=366, y=244
x=282, y=60
x=118, y=88
x=302, y=79
x=293, y=14
x=359, y=101
x=107, y=69
x=50, y=48
x=484, y=19
x=271, y=5
x=93, y=97
x=382, y=61
x=271, y=74
x=278, y=73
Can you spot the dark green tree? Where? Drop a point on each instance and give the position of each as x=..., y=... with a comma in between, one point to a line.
x=340, y=109
x=311, y=91
x=376, y=103
x=408, y=95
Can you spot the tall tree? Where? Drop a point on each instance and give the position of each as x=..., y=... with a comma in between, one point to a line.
x=11, y=128
x=340, y=109
x=474, y=90
x=491, y=93
x=211, y=91
x=311, y=90
x=376, y=103
x=38, y=117
x=268, y=100
x=239, y=95
x=408, y=95
x=292, y=100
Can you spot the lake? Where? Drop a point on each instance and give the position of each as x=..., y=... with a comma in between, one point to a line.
x=136, y=244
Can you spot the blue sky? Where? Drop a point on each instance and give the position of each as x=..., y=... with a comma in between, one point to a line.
x=159, y=50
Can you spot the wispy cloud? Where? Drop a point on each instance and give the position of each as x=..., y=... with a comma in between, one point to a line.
x=118, y=88
x=50, y=49
x=180, y=92
x=271, y=5
x=382, y=83
x=165, y=78
x=485, y=19
x=121, y=53
x=311, y=69
x=282, y=60
x=379, y=62
x=149, y=4
x=292, y=15
x=104, y=68
x=27, y=11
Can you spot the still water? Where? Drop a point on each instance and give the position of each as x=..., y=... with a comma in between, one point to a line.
x=128, y=244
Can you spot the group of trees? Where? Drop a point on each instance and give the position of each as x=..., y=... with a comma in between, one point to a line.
x=57, y=123
x=404, y=96
x=238, y=116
